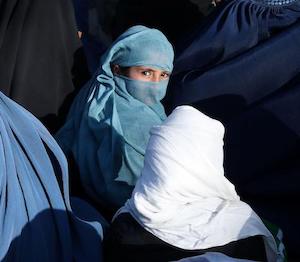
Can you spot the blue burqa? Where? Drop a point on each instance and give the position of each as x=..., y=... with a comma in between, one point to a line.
x=108, y=125
x=242, y=67
x=36, y=219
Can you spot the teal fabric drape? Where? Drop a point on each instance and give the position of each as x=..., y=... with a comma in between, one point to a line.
x=108, y=125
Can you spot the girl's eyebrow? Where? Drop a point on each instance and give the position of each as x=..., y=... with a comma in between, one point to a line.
x=152, y=69
x=146, y=68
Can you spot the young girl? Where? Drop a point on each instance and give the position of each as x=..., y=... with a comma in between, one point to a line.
x=108, y=126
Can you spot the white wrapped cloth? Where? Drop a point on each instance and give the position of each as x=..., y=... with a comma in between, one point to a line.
x=183, y=197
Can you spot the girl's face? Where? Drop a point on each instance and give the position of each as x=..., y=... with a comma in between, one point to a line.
x=142, y=73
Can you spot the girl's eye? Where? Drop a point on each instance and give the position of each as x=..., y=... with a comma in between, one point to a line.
x=146, y=73
x=165, y=75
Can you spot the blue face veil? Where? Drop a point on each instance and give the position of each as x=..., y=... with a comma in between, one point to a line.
x=108, y=126
x=149, y=93
x=36, y=219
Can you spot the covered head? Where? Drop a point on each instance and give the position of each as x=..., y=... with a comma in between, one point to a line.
x=140, y=46
x=183, y=163
x=182, y=196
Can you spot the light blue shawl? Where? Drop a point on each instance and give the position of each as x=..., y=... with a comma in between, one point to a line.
x=36, y=219
x=108, y=126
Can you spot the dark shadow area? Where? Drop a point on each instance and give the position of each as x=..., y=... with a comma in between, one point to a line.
x=55, y=235
x=77, y=190
x=173, y=18
x=222, y=107
x=80, y=72
x=80, y=75
x=134, y=243
x=109, y=193
x=261, y=159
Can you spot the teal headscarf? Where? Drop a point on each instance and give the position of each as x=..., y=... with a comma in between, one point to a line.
x=108, y=126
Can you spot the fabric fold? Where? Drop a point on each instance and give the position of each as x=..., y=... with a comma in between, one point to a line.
x=108, y=128
x=183, y=197
x=36, y=219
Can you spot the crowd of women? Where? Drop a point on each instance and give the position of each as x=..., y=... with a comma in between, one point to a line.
x=93, y=169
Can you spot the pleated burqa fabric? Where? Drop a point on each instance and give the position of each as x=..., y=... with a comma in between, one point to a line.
x=243, y=67
x=233, y=28
x=36, y=219
x=40, y=59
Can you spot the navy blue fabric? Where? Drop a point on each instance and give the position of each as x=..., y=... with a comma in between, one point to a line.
x=243, y=68
x=36, y=219
x=89, y=22
x=234, y=27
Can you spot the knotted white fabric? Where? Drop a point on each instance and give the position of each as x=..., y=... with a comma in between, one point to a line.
x=183, y=197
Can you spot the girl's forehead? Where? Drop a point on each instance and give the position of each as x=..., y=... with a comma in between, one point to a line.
x=145, y=67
